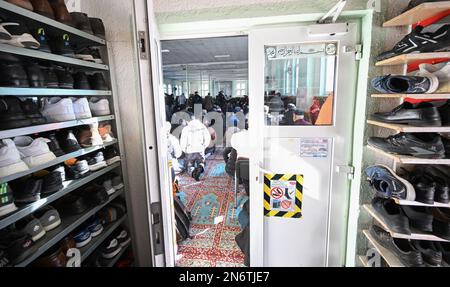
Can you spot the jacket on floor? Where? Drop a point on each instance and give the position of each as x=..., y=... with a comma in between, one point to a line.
x=195, y=137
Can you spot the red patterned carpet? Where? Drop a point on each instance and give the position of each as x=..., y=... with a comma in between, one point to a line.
x=211, y=200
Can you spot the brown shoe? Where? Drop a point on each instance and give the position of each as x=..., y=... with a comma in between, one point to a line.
x=67, y=243
x=61, y=13
x=22, y=3
x=43, y=7
x=53, y=258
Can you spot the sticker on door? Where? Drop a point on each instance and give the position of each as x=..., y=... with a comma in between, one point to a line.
x=283, y=195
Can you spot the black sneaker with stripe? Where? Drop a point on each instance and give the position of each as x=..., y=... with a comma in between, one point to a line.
x=419, y=42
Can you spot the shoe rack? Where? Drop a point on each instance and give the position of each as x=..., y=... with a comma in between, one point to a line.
x=413, y=16
x=69, y=224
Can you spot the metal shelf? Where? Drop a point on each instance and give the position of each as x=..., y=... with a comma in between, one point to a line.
x=416, y=203
x=404, y=159
x=68, y=225
x=387, y=255
x=95, y=243
x=36, y=54
x=422, y=12
x=413, y=96
x=56, y=161
x=409, y=129
x=51, y=127
x=415, y=235
x=408, y=58
x=50, y=23
x=51, y=92
x=69, y=186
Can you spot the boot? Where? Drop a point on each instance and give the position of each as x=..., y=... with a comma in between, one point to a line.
x=22, y=3
x=43, y=7
x=61, y=13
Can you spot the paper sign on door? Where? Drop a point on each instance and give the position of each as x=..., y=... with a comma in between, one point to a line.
x=283, y=195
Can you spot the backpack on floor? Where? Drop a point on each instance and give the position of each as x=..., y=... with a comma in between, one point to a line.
x=183, y=219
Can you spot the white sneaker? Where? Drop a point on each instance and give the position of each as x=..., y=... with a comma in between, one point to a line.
x=81, y=108
x=96, y=139
x=19, y=37
x=10, y=161
x=99, y=107
x=442, y=72
x=34, y=152
x=58, y=110
x=434, y=81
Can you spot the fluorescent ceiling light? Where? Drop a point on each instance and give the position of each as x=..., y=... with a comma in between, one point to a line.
x=222, y=56
x=165, y=51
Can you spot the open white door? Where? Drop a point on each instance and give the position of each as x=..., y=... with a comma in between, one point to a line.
x=299, y=175
x=159, y=183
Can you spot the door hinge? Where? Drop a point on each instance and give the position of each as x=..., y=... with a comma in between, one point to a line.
x=157, y=228
x=348, y=169
x=357, y=50
x=142, y=45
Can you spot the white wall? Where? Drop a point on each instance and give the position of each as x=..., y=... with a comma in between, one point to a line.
x=186, y=5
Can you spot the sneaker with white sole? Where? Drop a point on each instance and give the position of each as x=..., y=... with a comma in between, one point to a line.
x=58, y=110
x=49, y=218
x=6, y=200
x=97, y=162
x=10, y=160
x=117, y=181
x=105, y=131
x=31, y=226
x=20, y=36
x=81, y=108
x=123, y=238
x=34, y=152
x=110, y=248
x=108, y=185
x=441, y=71
x=96, y=139
x=99, y=107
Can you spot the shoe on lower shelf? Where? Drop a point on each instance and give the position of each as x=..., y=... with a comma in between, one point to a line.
x=13, y=74
x=110, y=249
x=32, y=112
x=27, y=190
x=96, y=162
x=49, y=217
x=56, y=109
x=17, y=245
x=441, y=223
x=430, y=254
x=31, y=226
x=388, y=184
x=392, y=215
x=12, y=116
x=7, y=205
x=421, y=115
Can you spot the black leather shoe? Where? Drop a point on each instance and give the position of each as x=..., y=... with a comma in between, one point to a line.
x=65, y=79
x=54, y=145
x=69, y=142
x=444, y=247
x=441, y=223
x=445, y=113
x=27, y=190
x=36, y=78
x=81, y=22
x=32, y=112
x=51, y=79
x=422, y=115
x=52, y=183
x=97, y=82
x=423, y=185
x=441, y=180
x=11, y=114
x=73, y=205
x=95, y=195
x=419, y=218
x=98, y=27
x=13, y=75
x=430, y=254
x=388, y=184
x=400, y=247
x=62, y=46
x=427, y=146
x=81, y=81
x=18, y=246
x=392, y=215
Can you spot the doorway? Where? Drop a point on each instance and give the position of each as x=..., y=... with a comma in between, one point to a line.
x=205, y=84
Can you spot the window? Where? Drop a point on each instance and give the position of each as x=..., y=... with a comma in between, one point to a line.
x=241, y=89
x=205, y=89
x=169, y=89
x=165, y=88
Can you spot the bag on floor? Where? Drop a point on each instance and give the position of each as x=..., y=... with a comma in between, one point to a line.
x=183, y=219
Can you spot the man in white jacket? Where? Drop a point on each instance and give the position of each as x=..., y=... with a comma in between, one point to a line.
x=195, y=138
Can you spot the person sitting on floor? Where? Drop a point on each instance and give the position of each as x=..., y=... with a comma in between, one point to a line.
x=211, y=149
x=195, y=138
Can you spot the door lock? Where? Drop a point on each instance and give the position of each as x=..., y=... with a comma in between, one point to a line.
x=348, y=169
x=142, y=45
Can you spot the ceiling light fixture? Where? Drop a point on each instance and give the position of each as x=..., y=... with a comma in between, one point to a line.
x=165, y=51
x=222, y=56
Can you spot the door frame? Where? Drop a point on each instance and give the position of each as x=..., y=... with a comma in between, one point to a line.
x=234, y=27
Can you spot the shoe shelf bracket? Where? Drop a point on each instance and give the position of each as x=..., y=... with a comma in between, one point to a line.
x=69, y=186
x=27, y=92
x=68, y=225
x=97, y=241
x=387, y=255
x=408, y=58
x=408, y=128
x=77, y=35
x=415, y=235
x=413, y=96
x=403, y=159
x=417, y=14
x=38, y=55
x=56, y=161
x=416, y=203
x=51, y=127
